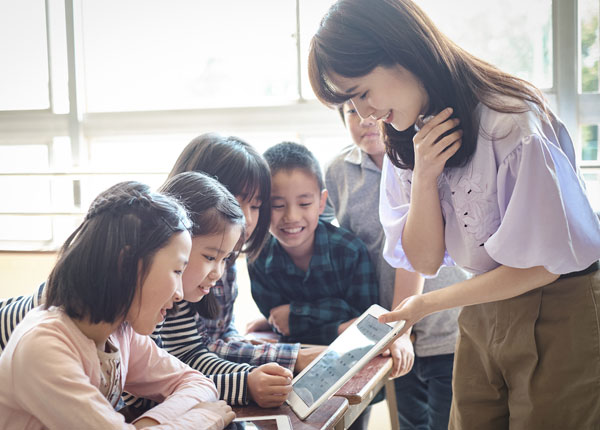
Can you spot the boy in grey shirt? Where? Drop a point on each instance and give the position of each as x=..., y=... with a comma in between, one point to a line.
x=424, y=393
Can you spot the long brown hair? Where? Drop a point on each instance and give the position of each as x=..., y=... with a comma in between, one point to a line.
x=355, y=36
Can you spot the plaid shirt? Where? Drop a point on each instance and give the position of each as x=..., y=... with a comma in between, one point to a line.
x=340, y=284
x=223, y=339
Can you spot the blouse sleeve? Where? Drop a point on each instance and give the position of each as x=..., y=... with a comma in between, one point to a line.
x=546, y=218
x=394, y=201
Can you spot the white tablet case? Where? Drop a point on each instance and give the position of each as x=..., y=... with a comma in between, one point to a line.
x=346, y=355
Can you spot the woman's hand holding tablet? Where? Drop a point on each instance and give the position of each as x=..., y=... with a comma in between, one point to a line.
x=346, y=355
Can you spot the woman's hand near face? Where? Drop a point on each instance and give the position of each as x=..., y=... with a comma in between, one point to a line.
x=425, y=223
x=431, y=149
x=269, y=385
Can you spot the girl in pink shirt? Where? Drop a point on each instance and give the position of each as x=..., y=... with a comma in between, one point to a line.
x=67, y=362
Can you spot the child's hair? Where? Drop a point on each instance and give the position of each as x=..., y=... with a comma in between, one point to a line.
x=290, y=156
x=239, y=167
x=340, y=109
x=212, y=210
x=356, y=36
x=96, y=275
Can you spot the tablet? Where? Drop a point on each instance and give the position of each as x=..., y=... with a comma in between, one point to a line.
x=265, y=422
x=346, y=355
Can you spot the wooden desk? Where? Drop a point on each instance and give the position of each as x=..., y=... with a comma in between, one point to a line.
x=324, y=418
x=362, y=388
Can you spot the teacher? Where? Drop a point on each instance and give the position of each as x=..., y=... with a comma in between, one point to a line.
x=479, y=173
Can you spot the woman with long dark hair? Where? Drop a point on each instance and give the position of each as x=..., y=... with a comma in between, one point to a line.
x=480, y=173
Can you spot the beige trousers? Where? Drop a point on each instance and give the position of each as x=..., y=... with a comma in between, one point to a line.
x=531, y=362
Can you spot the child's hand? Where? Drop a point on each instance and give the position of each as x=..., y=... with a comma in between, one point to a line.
x=431, y=150
x=259, y=324
x=269, y=385
x=262, y=340
x=219, y=408
x=280, y=319
x=306, y=355
x=403, y=355
x=202, y=412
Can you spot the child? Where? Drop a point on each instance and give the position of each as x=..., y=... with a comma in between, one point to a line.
x=215, y=215
x=217, y=236
x=482, y=172
x=246, y=175
x=67, y=362
x=424, y=394
x=312, y=279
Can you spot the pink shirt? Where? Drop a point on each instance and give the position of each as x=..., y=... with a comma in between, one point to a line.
x=519, y=202
x=50, y=371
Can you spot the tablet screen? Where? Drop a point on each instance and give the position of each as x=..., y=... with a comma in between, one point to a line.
x=341, y=355
x=270, y=424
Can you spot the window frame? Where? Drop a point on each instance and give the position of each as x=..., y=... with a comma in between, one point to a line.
x=310, y=117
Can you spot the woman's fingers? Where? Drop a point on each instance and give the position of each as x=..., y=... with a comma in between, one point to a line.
x=447, y=143
x=436, y=121
x=434, y=137
x=435, y=143
x=391, y=317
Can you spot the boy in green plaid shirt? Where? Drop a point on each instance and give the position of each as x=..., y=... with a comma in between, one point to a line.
x=312, y=279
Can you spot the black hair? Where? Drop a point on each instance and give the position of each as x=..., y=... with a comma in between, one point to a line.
x=290, y=156
x=356, y=36
x=96, y=275
x=239, y=167
x=340, y=109
x=212, y=210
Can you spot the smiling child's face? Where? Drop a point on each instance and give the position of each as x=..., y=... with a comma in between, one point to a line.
x=162, y=285
x=364, y=132
x=207, y=262
x=296, y=203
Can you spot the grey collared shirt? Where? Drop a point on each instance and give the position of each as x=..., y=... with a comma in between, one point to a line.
x=352, y=180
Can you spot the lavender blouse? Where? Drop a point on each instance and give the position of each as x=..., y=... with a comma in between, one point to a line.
x=519, y=202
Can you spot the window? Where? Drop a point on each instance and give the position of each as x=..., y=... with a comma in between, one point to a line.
x=147, y=55
x=24, y=71
x=530, y=45
x=98, y=92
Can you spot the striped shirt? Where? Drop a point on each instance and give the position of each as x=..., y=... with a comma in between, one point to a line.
x=13, y=310
x=340, y=284
x=181, y=335
x=224, y=340
x=178, y=334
